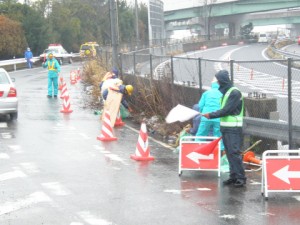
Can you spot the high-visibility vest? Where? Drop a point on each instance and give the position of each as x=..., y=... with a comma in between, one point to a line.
x=51, y=67
x=231, y=120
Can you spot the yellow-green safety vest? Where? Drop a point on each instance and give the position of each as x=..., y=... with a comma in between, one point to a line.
x=231, y=120
x=51, y=67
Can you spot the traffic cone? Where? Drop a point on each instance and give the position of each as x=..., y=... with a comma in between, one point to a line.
x=142, y=150
x=78, y=74
x=73, y=77
x=106, y=132
x=64, y=90
x=249, y=157
x=66, y=104
x=119, y=122
x=61, y=81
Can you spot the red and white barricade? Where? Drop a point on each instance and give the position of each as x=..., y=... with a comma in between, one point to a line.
x=281, y=171
x=201, y=153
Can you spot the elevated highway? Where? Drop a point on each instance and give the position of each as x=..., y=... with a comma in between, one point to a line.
x=233, y=13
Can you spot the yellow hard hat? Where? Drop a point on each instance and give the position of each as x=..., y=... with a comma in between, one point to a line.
x=129, y=89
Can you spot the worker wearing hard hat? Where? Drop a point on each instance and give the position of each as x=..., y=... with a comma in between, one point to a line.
x=126, y=90
x=53, y=70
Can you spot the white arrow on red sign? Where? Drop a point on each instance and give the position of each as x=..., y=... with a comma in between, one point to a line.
x=284, y=174
x=194, y=156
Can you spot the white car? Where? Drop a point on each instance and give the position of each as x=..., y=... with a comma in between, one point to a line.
x=8, y=96
x=59, y=53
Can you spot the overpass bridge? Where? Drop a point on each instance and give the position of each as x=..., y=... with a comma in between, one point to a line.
x=232, y=15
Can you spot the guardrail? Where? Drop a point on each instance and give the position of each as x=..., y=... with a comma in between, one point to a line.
x=15, y=62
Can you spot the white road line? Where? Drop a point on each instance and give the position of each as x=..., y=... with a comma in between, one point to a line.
x=6, y=135
x=4, y=156
x=97, y=147
x=84, y=136
x=15, y=148
x=12, y=175
x=30, y=167
x=33, y=198
x=93, y=220
x=56, y=188
x=3, y=125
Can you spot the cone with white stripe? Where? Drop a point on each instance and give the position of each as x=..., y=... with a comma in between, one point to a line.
x=142, y=150
x=119, y=122
x=61, y=82
x=106, y=132
x=73, y=75
x=66, y=104
x=64, y=90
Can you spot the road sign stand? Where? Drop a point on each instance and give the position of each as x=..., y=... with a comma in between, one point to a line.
x=191, y=160
x=281, y=171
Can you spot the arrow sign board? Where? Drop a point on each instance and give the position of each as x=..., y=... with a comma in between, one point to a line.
x=283, y=174
x=281, y=171
x=189, y=159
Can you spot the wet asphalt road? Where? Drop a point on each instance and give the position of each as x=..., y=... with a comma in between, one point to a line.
x=53, y=171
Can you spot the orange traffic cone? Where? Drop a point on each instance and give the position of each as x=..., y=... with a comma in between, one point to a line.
x=249, y=157
x=106, y=132
x=119, y=122
x=66, y=104
x=73, y=77
x=64, y=90
x=142, y=150
x=61, y=81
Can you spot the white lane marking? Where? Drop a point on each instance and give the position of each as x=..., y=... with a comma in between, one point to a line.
x=115, y=157
x=203, y=189
x=12, y=175
x=297, y=197
x=266, y=214
x=4, y=156
x=6, y=135
x=84, y=136
x=3, y=125
x=228, y=216
x=30, y=167
x=178, y=191
x=56, y=188
x=93, y=220
x=33, y=198
x=99, y=147
x=16, y=148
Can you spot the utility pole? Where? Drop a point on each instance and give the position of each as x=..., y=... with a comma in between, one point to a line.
x=114, y=38
x=137, y=24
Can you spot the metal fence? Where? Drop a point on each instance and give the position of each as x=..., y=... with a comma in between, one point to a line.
x=271, y=87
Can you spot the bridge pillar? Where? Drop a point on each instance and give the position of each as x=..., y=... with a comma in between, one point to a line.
x=231, y=29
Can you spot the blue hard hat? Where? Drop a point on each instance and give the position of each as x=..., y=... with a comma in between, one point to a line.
x=115, y=71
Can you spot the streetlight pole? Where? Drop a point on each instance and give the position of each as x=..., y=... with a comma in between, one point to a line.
x=137, y=24
x=113, y=27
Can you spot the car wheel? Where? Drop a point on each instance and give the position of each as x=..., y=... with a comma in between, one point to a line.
x=13, y=116
x=70, y=61
x=60, y=61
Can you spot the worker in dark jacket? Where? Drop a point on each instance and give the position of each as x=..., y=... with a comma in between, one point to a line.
x=231, y=122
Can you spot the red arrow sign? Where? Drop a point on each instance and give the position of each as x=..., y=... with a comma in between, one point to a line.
x=283, y=174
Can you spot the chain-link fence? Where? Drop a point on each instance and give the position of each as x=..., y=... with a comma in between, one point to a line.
x=271, y=88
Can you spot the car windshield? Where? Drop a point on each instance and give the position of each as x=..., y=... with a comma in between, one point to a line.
x=3, y=78
x=85, y=47
x=51, y=50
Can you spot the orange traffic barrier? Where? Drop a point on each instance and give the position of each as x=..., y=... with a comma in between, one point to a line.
x=119, y=122
x=106, y=132
x=249, y=157
x=142, y=150
x=66, y=104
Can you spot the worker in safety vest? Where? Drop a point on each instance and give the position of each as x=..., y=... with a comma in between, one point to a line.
x=53, y=73
x=231, y=123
